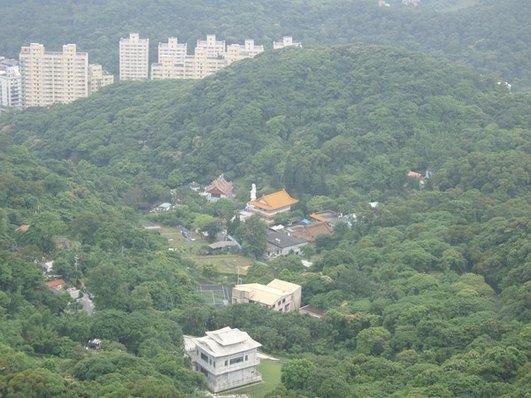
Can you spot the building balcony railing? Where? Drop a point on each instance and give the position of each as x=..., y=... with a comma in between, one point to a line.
x=257, y=378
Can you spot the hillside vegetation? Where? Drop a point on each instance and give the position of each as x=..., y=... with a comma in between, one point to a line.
x=427, y=295
x=338, y=121
x=490, y=35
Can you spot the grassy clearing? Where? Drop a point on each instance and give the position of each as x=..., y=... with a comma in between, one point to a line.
x=177, y=241
x=270, y=371
x=224, y=263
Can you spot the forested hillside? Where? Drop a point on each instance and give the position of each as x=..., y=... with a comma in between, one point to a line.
x=490, y=35
x=426, y=295
x=42, y=334
x=337, y=122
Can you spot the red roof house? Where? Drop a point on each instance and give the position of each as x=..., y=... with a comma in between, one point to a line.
x=312, y=231
x=56, y=284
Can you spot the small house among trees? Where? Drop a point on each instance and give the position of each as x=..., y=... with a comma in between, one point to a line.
x=56, y=284
x=282, y=244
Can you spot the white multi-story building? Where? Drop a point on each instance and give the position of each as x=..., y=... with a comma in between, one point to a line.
x=10, y=84
x=209, y=57
x=227, y=357
x=287, y=41
x=236, y=52
x=98, y=78
x=171, y=62
x=134, y=58
x=50, y=77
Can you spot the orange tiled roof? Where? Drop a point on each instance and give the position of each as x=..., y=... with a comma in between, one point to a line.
x=318, y=217
x=414, y=174
x=23, y=228
x=56, y=284
x=325, y=216
x=274, y=201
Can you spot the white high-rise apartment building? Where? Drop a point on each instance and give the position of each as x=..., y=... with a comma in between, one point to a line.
x=10, y=84
x=50, y=77
x=236, y=52
x=172, y=61
x=134, y=58
x=209, y=57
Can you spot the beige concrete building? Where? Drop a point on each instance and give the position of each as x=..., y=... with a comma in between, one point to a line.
x=236, y=52
x=98, y=78
x=134, y=58
x=50, y=77
x=278, y=295
x=209, y=56
x=171, y=61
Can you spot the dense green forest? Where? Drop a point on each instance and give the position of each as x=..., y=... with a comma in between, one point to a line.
x=490, y=35
x=428, y=295
x=335, y=122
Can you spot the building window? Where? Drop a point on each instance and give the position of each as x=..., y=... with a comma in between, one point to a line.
x=204, y=357
x=236, y=360
x=226, y=363
x=246, y=357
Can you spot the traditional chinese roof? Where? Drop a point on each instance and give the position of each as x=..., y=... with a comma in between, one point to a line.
x=215, y=191
x=414, y=174
x=273, y=201
x=222, y=186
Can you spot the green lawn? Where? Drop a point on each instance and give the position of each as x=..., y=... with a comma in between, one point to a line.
x=177, y=241
x=224, y=263
x=270, y=371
